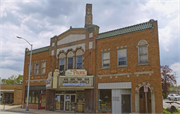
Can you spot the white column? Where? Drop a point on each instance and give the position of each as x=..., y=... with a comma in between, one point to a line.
x=137, y=102
x=153, y=102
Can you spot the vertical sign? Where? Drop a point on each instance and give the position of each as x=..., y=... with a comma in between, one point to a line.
x=145, y=88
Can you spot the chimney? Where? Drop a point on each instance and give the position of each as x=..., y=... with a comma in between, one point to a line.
x=88, y=17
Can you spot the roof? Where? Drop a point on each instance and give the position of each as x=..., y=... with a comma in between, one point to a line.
x=70, y=29
x=39, y=50
x=130, y=29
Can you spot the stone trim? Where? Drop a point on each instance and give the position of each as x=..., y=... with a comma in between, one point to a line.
x=137, y=97
x=146, y=72
x=36, y=80
x=116, y=75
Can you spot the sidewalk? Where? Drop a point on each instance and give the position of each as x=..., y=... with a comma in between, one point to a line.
x=17, y=108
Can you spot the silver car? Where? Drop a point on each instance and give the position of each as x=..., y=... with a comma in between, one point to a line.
x=174, y=97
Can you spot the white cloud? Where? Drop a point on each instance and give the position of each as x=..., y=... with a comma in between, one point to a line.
x=5, y=73
x=176, y=69
x=38, y=21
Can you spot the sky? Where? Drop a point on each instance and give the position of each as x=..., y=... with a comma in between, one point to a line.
x=39, y=20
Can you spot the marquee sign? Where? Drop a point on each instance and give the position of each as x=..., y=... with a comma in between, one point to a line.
x=74, y=84
x=77, y=72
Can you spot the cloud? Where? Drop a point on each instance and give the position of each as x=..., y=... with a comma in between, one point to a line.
x=38, y=21
x=5, y=73
x=176, y=70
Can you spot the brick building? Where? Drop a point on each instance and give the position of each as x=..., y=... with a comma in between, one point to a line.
x=11, y=93
x=116, y=71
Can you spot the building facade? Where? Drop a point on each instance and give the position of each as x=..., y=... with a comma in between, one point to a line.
x=112, y=72
x=11, y=94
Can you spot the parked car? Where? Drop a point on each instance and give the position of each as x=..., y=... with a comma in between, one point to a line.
x=174, y=97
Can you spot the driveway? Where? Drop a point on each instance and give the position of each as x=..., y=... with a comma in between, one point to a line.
x=175, y=103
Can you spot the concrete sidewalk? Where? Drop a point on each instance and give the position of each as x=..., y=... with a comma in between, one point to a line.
x=17, y=108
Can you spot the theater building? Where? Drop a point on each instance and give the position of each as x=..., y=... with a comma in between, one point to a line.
x=116, y=71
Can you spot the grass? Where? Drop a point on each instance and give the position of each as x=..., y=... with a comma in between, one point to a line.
x=165, y=111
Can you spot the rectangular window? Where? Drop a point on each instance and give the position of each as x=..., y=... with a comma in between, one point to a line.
x=33, y=96
x=122, y=57
x=30, y=95
x=79, y=61
x=106, y=59
x=30, y=70
x=143, y=54
x=36, y=69
x=43, y=67
x=70, y=63
x=105, y=102
x=61, y=65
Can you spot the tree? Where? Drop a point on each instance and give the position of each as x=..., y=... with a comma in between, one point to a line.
x=167, y=78
x=13, y=80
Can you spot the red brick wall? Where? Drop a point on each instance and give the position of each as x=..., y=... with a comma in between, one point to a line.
x=31, y=106
x=131, y=41
x=38, y=57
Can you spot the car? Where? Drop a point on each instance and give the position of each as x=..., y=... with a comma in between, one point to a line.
x=174, y=97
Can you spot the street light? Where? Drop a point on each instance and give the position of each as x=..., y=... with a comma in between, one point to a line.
x=27, y=108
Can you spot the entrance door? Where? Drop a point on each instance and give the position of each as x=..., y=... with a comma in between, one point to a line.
x=142, y=102
x=67, y=102
x=43, y=101
x=62, y=102
x=126, y=104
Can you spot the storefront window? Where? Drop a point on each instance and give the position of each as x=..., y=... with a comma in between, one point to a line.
x=30, y=95
x=33, y=96
x=105, y=102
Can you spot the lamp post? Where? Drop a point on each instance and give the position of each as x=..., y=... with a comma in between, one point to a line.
x=27, y=108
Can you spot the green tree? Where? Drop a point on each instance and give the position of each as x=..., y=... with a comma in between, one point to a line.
x=167, y=78
x=13, y=80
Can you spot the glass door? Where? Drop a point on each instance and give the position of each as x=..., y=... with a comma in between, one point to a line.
x=62, y=102
x=43, y=101
x=73, y=99
x=67, y=102
x=57, y=102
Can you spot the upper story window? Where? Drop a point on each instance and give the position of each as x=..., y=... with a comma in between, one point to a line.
x=36, y=69
x=30, y=69
x=142, y=52
x=43, y=67
x=62, y=61
x=61, y=65
x=79, y=59
x=70, y=63
x=70, y=60
x=106, y=59
x=122, y=57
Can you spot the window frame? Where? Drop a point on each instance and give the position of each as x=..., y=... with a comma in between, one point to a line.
x=99, y=96
x=139, y=46
x=36, y=69
x=102, y=59
x=77, y=62
x=36, y=93
x=118, y=58
x=43, y=67
x=72, y=62
x=30, y=70
x=60, y=63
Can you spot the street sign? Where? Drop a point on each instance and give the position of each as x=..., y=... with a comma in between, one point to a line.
x=145, y=88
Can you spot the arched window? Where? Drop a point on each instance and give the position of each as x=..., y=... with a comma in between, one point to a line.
x=79, y=59
x=70, y=60
x=62, y=61
x=142, y=52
